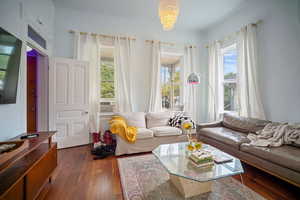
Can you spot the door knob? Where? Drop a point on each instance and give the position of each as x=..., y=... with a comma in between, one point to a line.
x=84, y=112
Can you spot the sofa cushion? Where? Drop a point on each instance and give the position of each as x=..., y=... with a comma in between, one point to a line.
x=144, y=133
x=225, y=135
x=156, y=119
x=287, y=156
x=243, y=124
x=136, y=119
x=166, y=131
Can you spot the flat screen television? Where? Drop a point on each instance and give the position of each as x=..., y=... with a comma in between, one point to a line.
x=10, y=55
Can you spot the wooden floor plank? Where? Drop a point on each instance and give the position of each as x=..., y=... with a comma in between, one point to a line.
x=79, y=176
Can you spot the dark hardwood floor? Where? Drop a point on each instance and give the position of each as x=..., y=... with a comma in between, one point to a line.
x=78, y=176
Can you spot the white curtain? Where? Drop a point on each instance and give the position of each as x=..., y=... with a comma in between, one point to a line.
x=124, y=55
x=249, y=98
x=189, y=91
x=87, y=48
x=155, y=102
x=213, y=81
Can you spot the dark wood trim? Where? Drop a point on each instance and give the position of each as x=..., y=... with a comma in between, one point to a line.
x=270, y=172
x=33, y=144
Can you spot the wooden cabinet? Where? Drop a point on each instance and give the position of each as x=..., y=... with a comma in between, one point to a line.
x=40, y=174
x=16, y=192
x=27, y=176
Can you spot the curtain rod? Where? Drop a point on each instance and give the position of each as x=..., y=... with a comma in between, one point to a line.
x=102, y=35
x=169, y=43
x=229, y=37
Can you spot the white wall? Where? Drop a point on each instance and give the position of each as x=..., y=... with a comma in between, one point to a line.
x=14, y=17
x=279, y=52
x=67, y=19
x=40, y=15
x=299, y=10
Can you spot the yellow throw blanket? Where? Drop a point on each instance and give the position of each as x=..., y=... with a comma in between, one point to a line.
x=119, y=126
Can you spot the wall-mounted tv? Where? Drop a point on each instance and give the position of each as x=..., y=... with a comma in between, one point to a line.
x=10, y=55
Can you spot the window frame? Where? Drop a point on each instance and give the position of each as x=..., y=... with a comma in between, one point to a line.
x=222, y=81
x=181, y=57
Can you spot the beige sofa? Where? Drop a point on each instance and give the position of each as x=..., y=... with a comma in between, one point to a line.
x=153, y=130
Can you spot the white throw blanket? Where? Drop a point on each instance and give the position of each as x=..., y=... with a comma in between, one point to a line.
x=275, y=135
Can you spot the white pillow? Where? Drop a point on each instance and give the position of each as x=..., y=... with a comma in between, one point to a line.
x=157, y=119
x=186, y=114
x=136, y=119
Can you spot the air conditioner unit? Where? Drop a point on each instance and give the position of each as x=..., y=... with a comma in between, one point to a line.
x=107, y=106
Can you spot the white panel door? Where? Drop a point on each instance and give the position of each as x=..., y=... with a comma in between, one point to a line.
x=68, y=103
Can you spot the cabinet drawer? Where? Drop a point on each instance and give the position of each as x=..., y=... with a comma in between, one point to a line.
x=16, y=192
x=39, y=174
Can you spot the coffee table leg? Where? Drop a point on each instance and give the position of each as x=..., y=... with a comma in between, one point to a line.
x=189, y=188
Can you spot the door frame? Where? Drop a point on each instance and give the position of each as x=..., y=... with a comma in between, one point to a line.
x=42, y=102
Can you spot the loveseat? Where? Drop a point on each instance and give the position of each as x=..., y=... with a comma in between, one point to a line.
x=152, y=130
x=230, y=135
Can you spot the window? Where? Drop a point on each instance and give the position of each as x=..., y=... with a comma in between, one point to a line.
x=32, y=34
x=107, y=85
x=229, y=79
x=171, y=82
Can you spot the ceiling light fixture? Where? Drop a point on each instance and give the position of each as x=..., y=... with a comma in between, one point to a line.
x=168, y=13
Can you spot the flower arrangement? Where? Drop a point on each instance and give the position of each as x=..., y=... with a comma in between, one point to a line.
x=187, y=126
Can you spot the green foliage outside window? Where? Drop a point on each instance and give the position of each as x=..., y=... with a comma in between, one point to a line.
x=107, y=79
x=230, y=75
x=167, y=87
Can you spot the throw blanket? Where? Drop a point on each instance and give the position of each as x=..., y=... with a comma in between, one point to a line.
x=118, y=126
x=275, y=135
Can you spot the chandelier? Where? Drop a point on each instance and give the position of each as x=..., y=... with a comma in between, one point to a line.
x=168, y=13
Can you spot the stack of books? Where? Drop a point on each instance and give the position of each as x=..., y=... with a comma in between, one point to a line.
x=201, y=158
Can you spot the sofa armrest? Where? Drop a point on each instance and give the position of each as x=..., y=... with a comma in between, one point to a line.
x=209, y=125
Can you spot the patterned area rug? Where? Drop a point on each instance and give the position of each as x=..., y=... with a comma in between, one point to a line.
x=144, y=178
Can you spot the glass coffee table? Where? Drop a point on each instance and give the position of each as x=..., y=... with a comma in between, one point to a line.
x=185, y=176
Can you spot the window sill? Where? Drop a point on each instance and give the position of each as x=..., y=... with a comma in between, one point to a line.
x=229, y=112
x=106, y=114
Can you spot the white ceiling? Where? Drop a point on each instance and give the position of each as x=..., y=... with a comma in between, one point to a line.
x=194, y=14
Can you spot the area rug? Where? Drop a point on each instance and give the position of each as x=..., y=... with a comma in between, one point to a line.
x=144, y=178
